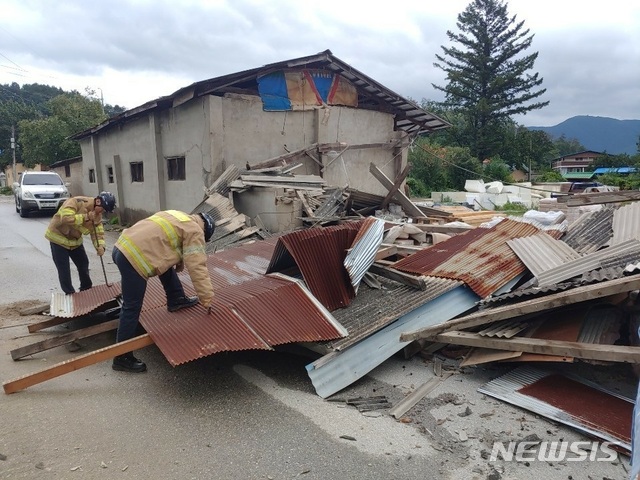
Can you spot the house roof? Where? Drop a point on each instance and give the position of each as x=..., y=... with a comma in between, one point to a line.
x=577, y=175
x=371, y=94
x=582, y=153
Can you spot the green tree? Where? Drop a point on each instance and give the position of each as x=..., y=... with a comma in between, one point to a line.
x=428, y=172
x=11, y=112
x=46, y=140
x=496, y=169
x=461, y=165
x=567, y=146
x=488, y=79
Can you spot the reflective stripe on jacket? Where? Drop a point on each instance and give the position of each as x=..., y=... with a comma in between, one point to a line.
x=165, y=239
x=70, y=223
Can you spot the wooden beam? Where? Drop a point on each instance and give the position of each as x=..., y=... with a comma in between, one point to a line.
x=49, y=343
x=450, y=230
x=580, y=199
x=409, y=207
x=589, y=351
x=401, y=277
x=305, y=204
x=548, y=302
x=396, y=185
x=77, y=363
x=386, y=252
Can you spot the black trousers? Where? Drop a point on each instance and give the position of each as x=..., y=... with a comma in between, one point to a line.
x=78, y=256
x=134, y=287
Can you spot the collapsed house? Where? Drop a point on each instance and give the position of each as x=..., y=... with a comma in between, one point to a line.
x=318, y=112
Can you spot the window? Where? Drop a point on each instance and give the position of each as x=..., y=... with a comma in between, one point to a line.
x=110, y=174
x=175, y=168
x=67, y=171
x=92, y=175
x=137, y=172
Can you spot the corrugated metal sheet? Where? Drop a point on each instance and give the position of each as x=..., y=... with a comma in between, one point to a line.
x=485, y=264
x=363, y=250
x=373, y=309
x=319, y=253
x=589, y=262
x=571, y=404
x=257, y=314
x=82, y=303
x=524, y=294
x=429, y=258
x=591, y=231
x=601, y=325
x=626, y=223
x=540, y=252
x=337, y=370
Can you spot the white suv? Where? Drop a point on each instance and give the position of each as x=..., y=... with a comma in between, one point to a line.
x=39, y=191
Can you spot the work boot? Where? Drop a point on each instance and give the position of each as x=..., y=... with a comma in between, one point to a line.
x=128, y=363
x=182, y=302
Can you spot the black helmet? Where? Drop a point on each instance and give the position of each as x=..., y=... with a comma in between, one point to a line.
x=107, y=201
x=209, y=226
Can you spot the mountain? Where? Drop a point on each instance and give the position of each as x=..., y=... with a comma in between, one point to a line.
x=600, y=134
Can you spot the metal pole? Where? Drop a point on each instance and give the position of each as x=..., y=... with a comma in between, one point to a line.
x=13, y=147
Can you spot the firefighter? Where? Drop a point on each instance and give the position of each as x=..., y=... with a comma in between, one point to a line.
x=161, y=244
x=78, y=216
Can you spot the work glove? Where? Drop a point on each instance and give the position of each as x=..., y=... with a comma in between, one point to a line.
x=100, y=251
x=179, y=267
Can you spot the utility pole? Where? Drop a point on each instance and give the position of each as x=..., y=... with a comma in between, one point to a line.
x=13, y=147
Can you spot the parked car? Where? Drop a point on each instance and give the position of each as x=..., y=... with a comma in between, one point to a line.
x=39, y=191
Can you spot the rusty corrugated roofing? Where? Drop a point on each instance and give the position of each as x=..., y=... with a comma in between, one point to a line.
x=257, y=314
x=485, y=264
x=319, y=253
x=82, y=303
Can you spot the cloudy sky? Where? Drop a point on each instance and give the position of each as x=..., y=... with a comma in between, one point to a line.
x=133, y=51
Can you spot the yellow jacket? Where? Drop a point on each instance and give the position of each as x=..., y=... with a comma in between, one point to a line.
x=70, y=223
x=164, y=240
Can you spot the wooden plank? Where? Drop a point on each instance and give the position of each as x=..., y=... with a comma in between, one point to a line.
x=401, y=277
x=555, y=300
x=34, y=309
x=327, y=147
x=305, y=204
x=588, y=351
x=386, y=252
x=599, y=198
x=49, y=343
x=285, y=159
x=52, y=322
x=77, y=363
x=410, y=400
x=396, y=185
x=449, y=230
x=409, y=207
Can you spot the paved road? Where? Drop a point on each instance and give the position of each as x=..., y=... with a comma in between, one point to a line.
x=247, y=415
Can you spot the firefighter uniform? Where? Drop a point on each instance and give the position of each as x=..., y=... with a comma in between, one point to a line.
x=65, y=233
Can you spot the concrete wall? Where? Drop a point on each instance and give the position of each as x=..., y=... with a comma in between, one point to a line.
x=279, y=213
x=74, y=179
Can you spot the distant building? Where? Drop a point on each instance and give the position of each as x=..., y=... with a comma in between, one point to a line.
x=579, y=162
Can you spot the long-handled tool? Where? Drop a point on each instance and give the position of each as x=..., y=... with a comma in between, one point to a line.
x=94, y=237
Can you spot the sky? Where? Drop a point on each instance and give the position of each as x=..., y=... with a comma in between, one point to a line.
x=130, y=52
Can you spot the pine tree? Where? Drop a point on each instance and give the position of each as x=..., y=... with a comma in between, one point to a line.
x=488, y=79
